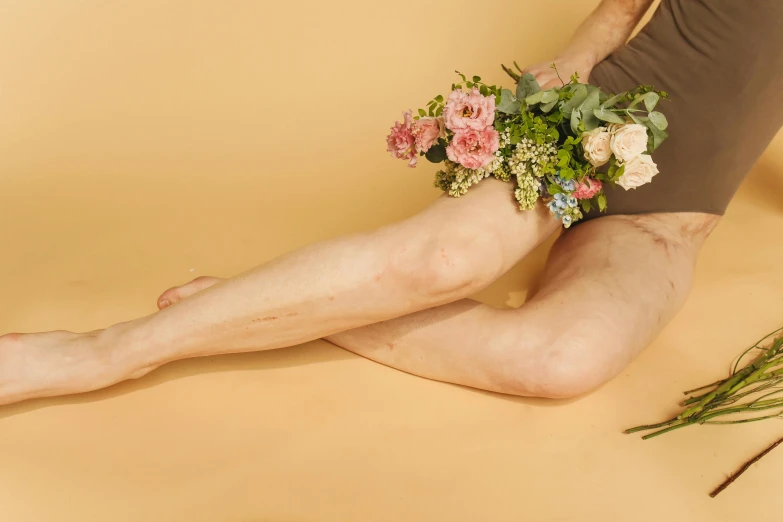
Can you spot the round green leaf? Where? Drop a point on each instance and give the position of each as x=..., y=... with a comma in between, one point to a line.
x=659, y=120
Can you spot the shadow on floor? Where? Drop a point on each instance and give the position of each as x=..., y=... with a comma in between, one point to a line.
x=315, y=352
x=764, y=186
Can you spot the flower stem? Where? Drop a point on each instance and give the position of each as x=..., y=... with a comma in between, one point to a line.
x=511, y=73
x=744, y=468
x=716, y=383
x=670, y=428
x=652, y=426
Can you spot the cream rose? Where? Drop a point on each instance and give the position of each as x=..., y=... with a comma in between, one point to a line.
x=596, y=145
x=638, y=171
x=628, y=141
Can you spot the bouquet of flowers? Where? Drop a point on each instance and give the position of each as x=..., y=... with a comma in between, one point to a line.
x=561, y=145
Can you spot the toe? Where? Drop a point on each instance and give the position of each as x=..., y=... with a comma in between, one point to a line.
x=178, y=293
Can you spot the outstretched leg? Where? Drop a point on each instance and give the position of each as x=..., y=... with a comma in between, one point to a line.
x=609, y=287
x=446, y=253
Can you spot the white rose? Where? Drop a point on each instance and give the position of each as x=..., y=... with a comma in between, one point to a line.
x=638, y=171
x=596, y=145
x=628, y=141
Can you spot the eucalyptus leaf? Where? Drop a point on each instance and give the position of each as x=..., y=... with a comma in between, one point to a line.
x=546, y=107
x=607, y=115
x=658, y=119
x=508, y=103
x=580, y=94
x=534, y=98
x=549, y=96
x=436, y=154
x=591, y=102
x=650, y=100
x=589, y=120
x=611, y=102
x=576, y=117
x=527, y=85
x=634, y=118
x=656, y=136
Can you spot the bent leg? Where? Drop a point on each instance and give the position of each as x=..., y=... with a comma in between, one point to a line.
x=610, y=286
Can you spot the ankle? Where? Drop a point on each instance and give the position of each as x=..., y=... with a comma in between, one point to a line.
x=130, y=346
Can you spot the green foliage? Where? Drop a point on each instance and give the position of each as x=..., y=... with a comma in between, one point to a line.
x=600, y=201
x=437, y=153
x=508, y=102
x=549, y=124
x=658, y=120
x=607, y=115
x=587, y=206
x=527, y=85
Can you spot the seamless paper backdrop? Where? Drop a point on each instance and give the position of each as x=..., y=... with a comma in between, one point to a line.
x=147, y=142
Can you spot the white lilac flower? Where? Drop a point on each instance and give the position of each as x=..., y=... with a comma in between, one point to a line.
x=456, y=179
x=528, y=191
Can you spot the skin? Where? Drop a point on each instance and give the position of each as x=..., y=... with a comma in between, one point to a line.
x=399, y=295
x=608, y=27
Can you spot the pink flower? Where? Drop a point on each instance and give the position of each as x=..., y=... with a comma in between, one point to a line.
x=474, y=149
x=426, y=131
x=401, y=142
x=469, y=111
x=587, y=188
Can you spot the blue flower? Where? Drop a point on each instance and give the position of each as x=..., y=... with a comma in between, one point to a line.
x=572, y=202
x=567, y=220
x=567, y=184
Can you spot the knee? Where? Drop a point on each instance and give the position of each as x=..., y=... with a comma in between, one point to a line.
x=569, y=366
x=452, y=262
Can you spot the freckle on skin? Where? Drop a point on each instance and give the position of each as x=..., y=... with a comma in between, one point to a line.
x=331, y=298
x=390, y=345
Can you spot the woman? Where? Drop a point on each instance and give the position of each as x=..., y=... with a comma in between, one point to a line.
x=398, y=295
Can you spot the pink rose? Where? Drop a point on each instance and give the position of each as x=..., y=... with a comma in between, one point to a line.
x=401, y=142
x=587, y=188
x=469, y=111
x=474, y=149
x=426, y=131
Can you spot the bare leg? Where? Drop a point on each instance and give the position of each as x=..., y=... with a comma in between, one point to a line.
x=610, y=286
x=441, y=255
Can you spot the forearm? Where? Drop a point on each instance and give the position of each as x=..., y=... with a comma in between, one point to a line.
x=608, y=27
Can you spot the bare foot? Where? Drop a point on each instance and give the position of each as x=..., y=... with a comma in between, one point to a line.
x=61, y=363
x=179, y=293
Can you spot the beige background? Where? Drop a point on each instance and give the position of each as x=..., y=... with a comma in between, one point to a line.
x=146, y=142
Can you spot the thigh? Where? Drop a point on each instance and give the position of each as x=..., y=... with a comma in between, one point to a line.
x=486, y=222
x=613, y=283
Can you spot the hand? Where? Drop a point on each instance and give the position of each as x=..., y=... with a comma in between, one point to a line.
x=547, y=77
